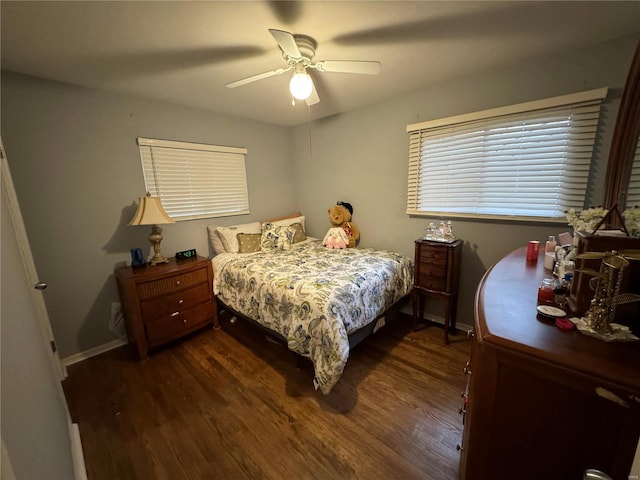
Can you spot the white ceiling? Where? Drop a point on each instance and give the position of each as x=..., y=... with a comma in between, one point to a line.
x=185, y=52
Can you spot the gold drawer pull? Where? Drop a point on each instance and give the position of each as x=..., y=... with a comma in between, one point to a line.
x=175, y=314
x=177, y=282
x=185, y=321
x=180, y=302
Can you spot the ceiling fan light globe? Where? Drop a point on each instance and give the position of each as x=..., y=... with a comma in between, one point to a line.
x=301, y=85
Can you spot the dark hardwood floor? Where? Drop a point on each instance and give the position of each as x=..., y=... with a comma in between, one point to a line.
x=231, y=404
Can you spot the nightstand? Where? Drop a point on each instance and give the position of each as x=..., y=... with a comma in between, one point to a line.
x=436, y=274
x=164, y=302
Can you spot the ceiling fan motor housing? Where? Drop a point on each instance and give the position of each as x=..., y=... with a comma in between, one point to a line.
x=307, y=46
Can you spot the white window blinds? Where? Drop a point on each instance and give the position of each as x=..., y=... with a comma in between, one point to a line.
x=526, y=161
x=195, y=180
x=633, y=192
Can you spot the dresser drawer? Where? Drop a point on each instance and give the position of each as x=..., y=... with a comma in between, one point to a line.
x=176, y=302
x=163, y=329
x=432, y=282
x=433, y=256
x=167, y=285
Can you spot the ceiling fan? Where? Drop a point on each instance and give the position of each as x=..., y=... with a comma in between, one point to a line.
x=298, y=52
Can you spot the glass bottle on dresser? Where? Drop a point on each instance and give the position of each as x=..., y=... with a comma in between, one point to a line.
x=546, y=295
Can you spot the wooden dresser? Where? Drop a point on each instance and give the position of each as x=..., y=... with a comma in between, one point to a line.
x=436, y=274
x=164, y=302
x=543, y=403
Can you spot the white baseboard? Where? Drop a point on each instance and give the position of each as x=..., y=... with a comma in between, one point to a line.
x=77, y=454
x=463, y=327
x=78, y=357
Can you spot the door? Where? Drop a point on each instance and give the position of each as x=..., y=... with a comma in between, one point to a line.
x=42, y=317
x=38, y=438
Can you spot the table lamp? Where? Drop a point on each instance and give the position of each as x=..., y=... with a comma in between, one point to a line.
x=150, y=212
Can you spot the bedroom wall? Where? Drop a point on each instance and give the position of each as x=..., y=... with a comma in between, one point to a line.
x=77, y=172
x=76, y=167
x=362, y=156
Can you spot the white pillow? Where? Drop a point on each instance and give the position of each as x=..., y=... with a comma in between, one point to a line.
x=228, y=234
x=215, y=241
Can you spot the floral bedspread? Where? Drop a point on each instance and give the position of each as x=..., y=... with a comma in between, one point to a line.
x=314, y=296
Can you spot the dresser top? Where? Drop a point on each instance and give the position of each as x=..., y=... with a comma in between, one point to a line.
x=454, y=243
x=161, y=270
x=506, y=317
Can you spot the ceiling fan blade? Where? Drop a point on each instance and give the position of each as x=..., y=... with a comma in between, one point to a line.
x=287, y=42
x=313, y=98
x=348, y=66
x=260, y=76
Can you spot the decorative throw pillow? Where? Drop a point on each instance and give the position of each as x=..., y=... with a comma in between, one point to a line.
x=228, y=234
x=249, y=242
x=299, y=234
x=276, y=237
x=287, y=222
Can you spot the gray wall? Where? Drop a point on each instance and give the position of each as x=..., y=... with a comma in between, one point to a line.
x=75, y=163
x=362, y=156
x=76, y=167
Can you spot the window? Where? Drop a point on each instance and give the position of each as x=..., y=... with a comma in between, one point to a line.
x=633, y=192
x=195, y=180
x=526, y=161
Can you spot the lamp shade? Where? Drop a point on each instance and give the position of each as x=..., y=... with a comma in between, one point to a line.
x=150, y=212
x=301, y=84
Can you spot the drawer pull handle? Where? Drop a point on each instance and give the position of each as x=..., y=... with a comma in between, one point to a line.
x=180, y=302
x=185, y=321
x=175, y=314
x=608, y=395
x=177, y=282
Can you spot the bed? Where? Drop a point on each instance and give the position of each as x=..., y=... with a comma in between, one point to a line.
x=320, y=301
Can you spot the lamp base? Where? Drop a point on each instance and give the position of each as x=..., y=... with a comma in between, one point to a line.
x=155, y=237
x=158, y=260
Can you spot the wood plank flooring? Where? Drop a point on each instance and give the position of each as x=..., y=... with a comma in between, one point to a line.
x=231, y=404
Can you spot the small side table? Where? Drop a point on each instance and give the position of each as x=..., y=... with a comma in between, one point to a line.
x=436, y=274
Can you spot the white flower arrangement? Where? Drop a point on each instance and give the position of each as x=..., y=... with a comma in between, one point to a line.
x=586, y=220
x=632, y=220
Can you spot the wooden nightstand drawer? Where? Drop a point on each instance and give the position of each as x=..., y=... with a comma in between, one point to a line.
x=432, y=282
x=164, y=286
x=176, y=302
x=432, y=271
x=433, y=256
x=161, y=330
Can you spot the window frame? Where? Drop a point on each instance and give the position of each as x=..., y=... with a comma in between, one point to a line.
x=169, y=168
x=419, y=137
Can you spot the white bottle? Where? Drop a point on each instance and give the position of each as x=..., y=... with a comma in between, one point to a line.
x=550, y=253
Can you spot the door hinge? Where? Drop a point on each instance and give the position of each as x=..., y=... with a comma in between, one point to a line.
x=53, y=346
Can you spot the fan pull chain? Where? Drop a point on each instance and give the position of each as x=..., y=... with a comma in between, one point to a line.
x=309, y=123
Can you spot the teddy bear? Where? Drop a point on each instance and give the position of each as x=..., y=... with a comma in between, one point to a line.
x=343, y=232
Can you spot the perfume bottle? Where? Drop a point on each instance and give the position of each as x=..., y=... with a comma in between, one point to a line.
x=448, y=232
x=550, y=246
x=430, y=232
